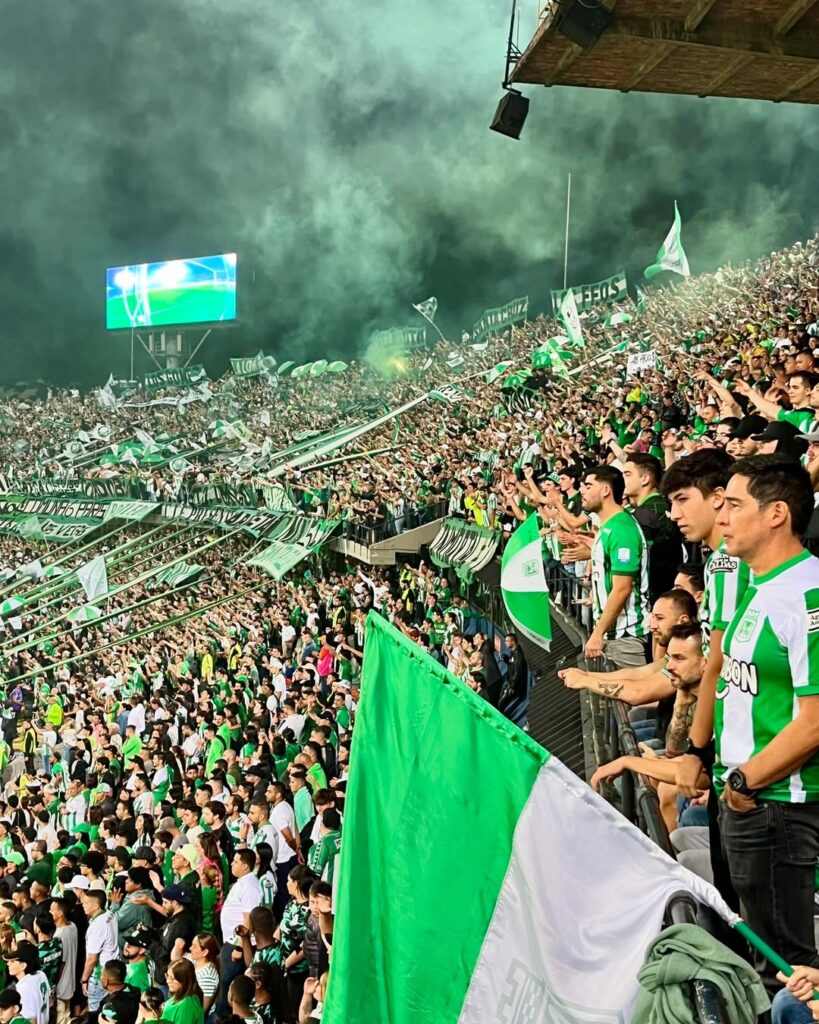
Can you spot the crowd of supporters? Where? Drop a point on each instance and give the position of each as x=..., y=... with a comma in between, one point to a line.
x=173, y=802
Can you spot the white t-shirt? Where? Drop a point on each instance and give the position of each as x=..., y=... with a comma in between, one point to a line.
x=243, y=896
x=102, y=939
x=294, y=722
x=34, y=992
x=282, y=816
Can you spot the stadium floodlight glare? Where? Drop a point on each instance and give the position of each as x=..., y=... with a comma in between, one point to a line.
x=172, y=293
x=510, y=115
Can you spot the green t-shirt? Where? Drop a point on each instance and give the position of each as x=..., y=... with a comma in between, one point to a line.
x=303, y=807
x=620, y=549
x=139, y=974
x=799, y=418
x=187, y=1011
x=770, y=660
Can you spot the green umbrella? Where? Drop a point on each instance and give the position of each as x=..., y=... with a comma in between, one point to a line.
x=318, y=367
x=288, y=364
x=301, y=371
x=85, y=613
x=10, y=605
x=337, y=367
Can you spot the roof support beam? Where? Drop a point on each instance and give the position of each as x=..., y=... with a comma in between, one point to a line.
x=648, y=65
x=727, y=73
x=569, y=56
x=698, y=11
x=797, y=10
x=720, y=37
x=798, y=84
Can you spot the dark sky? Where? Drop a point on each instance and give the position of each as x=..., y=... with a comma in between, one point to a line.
x=343, y=151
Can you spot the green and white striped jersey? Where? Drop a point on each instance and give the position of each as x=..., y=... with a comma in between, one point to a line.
x=726, y=580
x=620, y=549
x=770, y=659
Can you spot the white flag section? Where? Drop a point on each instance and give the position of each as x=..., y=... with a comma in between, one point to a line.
x=509, y=893
x=584, y=896
x=428, y=308
x=671, y=255
x=523, y=583
x=94, y=578
x=571, y=320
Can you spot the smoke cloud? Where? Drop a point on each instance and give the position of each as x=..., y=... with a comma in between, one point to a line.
x=343, y=151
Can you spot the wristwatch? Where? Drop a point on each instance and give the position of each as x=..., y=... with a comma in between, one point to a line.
x=703, y=753
x=736, y=780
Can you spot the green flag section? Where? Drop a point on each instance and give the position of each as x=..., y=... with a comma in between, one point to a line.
x=173, y=575
x=279, y=557
x=523, y=583
x=571, y=320
x=671, y=255
x=31, y=529
x=337, y=366
x=497, y=371
x=518, y=378
x=616, y=319
x=586, y=296
x=286, y=366
x=181, y=378
x=508, y=892
x=466, y=547
x=93, y=578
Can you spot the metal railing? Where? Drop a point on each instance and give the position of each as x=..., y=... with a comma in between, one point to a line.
x=368, y=533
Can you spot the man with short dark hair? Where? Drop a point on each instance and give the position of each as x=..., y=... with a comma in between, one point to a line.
x=766, y=725
x=242, y=897
x=121, y=1003
x=100, y=945
x=619, y=558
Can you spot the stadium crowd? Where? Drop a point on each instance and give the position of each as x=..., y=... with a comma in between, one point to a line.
x=175, y=774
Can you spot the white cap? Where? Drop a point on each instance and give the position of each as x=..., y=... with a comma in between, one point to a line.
x=78, y=882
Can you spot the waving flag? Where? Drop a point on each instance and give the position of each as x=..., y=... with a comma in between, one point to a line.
x=671, y=255
x=93, y=577
x=571, y=320
x=428, y=308
x=523, y=583
x=523, y=896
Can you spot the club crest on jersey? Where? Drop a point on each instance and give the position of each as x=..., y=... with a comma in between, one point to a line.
x=747, y=627
x=722, y=563
x=741, y=674
x=623, y=554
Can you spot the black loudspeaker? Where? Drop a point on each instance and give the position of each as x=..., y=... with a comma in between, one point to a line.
x=584, y=22
x=510, y=115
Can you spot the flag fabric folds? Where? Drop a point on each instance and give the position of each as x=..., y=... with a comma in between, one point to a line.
x=523, y=584
x=93, y=577
x=428, y=308
x=511, y=892
x=571, y=320
x=671, y=255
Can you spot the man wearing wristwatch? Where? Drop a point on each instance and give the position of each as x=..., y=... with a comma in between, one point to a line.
x=766, y=724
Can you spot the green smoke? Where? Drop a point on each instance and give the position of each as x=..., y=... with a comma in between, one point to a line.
x=343, y=151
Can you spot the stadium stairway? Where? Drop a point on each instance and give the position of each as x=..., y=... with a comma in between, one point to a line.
x=362, y=546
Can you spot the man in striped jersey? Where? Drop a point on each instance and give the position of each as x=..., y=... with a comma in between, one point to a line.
x=695, y=487
x=766, y=726
x=619, y=558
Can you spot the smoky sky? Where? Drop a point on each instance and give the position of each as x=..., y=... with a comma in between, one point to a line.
x=343, y=151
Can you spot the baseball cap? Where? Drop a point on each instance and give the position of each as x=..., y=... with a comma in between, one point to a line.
x=25, y=952
x=78, y=882
x=136, y=939
x=813, y=437
x=190, y=854
x=787, y=436
x=176, y=893
x=748, y=426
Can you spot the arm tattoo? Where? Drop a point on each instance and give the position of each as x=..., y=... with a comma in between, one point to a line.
x=613, y=689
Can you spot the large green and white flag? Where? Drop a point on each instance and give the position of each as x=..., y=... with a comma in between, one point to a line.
x=279, y=557
x=523, y=584
x=93, y=578
x=522, y=895
x=616, y=319
x=131, y=510
x=31, y=529
x=671, y=255
x=571, y=320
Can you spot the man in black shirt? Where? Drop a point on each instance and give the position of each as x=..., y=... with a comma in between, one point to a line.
x=121, y=1003
x=641, y=475
x=177, y=933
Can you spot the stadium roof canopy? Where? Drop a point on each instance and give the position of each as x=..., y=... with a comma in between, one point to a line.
x=756, y=49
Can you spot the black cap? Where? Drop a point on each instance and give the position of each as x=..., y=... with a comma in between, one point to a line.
x=748, y=426
x=145, y=853
x=176, y=894
x=776, y=430
x=25, y=952
x=9, y=998
x=139, y=939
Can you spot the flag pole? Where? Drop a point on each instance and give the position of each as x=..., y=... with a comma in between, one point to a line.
x=417, y=310
x=566, y=243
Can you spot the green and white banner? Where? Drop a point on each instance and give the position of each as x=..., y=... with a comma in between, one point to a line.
x=493, y=320
x=93, y=577
x=586, y=296
x=184, y=377
x=449, y=394
x=173, y=575
x=396, y=340
x=523, y=584
x=466, y=547
x=77, y=486
x=571, y=321
x=551, y=924
x=671, y=255
x=278, y=558
x=132, y=510
x=277, y=499
x=253, y=366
